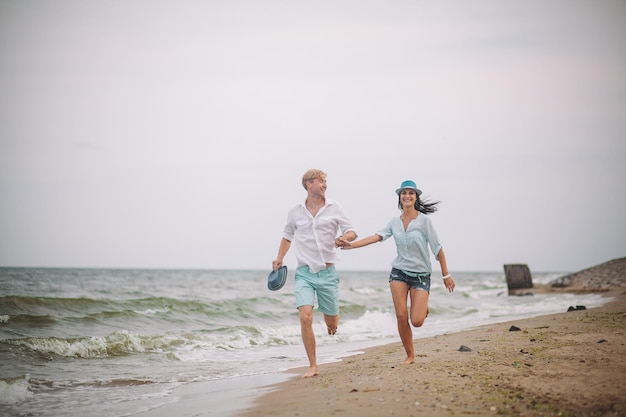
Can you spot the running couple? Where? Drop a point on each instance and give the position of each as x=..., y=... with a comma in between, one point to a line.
x=314, y=226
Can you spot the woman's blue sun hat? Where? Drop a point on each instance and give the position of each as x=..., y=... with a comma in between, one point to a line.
x=408, y=184
x=276, y=279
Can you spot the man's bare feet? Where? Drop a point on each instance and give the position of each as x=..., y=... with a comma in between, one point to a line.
x=312, y=372
x=409, y=360
x=332, y=330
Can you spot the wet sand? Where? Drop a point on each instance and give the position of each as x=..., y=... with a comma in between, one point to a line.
x=567, y=364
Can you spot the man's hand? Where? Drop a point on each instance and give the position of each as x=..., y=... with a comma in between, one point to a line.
x=276, y=263
x=343, y=243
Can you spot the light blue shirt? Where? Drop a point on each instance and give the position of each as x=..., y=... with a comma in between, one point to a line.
x=412, y=245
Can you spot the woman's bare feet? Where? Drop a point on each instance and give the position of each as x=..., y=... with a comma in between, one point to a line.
x=312, y=372
x=409, y=360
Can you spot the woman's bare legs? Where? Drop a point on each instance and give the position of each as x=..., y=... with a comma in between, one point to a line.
x=399, y=294
x=419, y=310
x=419, y=307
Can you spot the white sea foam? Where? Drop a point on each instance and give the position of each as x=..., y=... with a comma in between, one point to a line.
x=15, y=391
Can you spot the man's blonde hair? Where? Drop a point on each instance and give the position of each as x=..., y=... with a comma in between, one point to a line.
x=311, y=175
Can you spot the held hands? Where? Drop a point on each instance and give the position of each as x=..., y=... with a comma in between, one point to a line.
x=343, y=243
x=449, y=283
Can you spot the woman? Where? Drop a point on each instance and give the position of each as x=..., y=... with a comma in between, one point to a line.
x=414, y=234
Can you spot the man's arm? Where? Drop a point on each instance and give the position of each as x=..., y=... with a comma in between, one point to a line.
x=283, y=248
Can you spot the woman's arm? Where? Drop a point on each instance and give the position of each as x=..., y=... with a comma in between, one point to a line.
x=447, y=278
x=345, y=244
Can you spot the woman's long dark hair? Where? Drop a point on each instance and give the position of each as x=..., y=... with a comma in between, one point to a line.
x=426, y=207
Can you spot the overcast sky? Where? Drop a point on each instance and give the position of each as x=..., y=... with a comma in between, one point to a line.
x=174, y=134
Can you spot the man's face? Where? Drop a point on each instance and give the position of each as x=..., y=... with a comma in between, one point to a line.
x=317, y=186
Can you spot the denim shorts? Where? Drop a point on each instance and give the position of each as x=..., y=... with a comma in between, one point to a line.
x=418, y=280
x=325, y=283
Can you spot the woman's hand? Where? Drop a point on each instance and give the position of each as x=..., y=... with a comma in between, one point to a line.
x=449, y=283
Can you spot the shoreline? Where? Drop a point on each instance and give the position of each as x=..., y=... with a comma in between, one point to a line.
x=218, y=398
x=565, y=364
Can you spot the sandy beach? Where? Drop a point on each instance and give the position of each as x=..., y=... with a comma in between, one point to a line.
x=567, y=364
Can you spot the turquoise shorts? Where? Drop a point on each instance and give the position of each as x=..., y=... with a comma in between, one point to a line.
x=325, y=283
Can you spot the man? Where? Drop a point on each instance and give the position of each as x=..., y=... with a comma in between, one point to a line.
x=314, y=226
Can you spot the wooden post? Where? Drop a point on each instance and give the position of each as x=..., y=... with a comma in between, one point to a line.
x=517, y=277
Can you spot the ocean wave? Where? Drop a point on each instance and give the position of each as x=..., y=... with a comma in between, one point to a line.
x=102, y=309
x=27, y=320
x=17, y=304
x=174, y=346
x=15, y=390
x=126, y=382
x=115, y=344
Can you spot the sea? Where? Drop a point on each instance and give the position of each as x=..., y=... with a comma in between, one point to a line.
x=122, y=342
